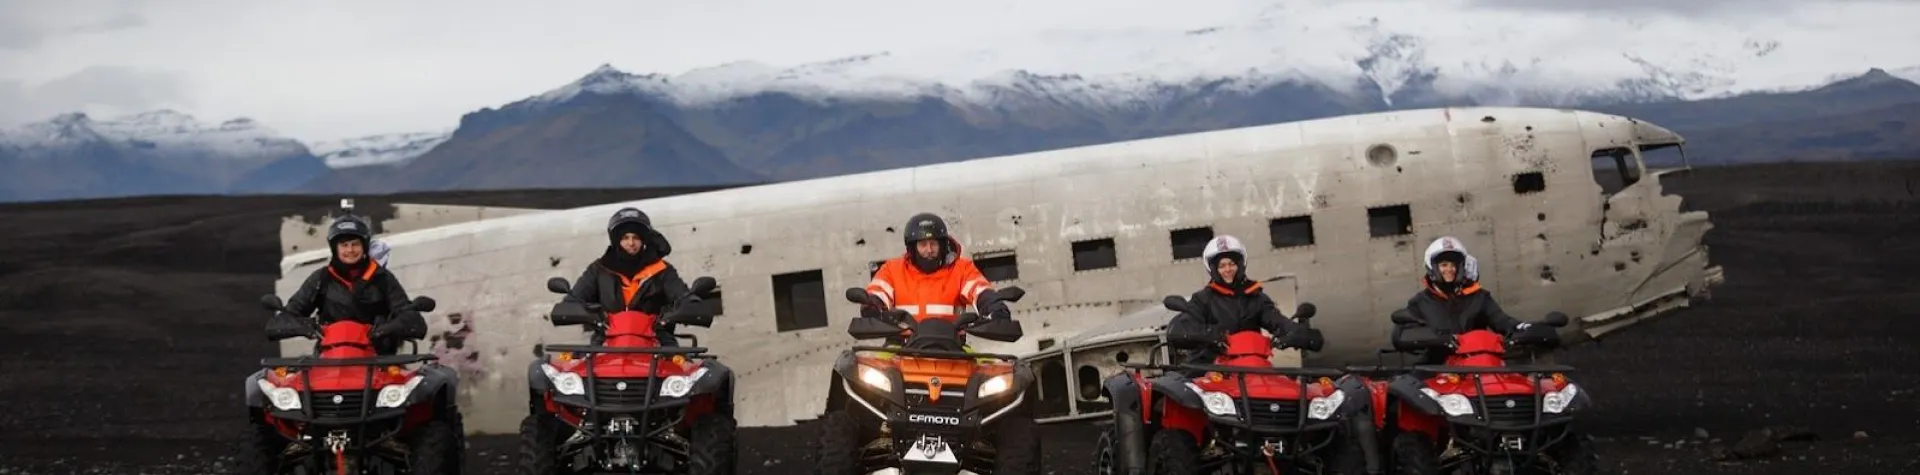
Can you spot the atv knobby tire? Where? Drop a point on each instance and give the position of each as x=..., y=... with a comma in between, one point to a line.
x=840, y=445
x=433, y=449
x=1106, y=455
x=714, y=449
x=260, y=448
x=1575, y=455
x=1413, y=454
x=539, y=439
x=1173, y=452
x=1016, y=442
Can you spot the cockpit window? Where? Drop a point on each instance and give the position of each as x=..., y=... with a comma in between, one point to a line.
x=1614, y=169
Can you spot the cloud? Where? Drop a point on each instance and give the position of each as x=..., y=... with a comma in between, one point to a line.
x=1681, y=7
x=29, y=25
x=101, y=90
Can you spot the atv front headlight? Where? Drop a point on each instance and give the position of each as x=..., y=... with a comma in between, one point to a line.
x=564, y=382
x=676, y=386
x=396, y=395
x=996, y=385
x=1557, y=401
x=875, y=378
x=1217, y=403
x=285, y=399
x=1453, y=404
x=1323, y=407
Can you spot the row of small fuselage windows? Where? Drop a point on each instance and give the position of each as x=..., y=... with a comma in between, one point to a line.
x=800, y=297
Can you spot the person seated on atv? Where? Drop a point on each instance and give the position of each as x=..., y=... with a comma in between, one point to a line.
x=633, y=274
x=931, y=279
x=1229, y=303
x=352, y=286
x=1451, y=302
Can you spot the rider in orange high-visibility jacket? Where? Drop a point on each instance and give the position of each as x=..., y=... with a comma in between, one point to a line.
x=932, y=279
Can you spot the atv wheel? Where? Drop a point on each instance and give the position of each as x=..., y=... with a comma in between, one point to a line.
x=432, y=445
x=714, y=449
x=1105, y=454
x=1173, y=452
x=1575, y=455
x=840, y=445
x=1413, y=454
x=457, y=451
x=1017, y=442
x=539, y=442
x=260, y=447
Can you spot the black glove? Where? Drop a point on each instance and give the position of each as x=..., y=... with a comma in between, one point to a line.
x=999, y=311
x=284, y=325
x=1308, y=339
x=1537, y=334
x=406, y=326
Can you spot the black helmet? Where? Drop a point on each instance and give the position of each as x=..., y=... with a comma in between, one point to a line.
x=922, y=227
x=349, y=226
x=926, y=226
x=632, y=220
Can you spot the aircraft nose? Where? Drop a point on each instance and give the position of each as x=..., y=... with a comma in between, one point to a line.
x=1646, y=133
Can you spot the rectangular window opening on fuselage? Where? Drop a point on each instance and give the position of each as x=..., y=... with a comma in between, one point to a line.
x=1292, y=231
x=1094, y=254
x=1190, y=243
x=998, y=266
x=1392, y=220
x=799, y=301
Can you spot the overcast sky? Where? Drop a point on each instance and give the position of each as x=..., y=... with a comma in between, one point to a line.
x=319, y=70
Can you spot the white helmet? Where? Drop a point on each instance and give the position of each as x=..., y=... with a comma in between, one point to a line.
x=1469, y=267
x=1222, y=244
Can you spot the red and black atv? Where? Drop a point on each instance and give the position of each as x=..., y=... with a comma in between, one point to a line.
x=346, y=410
x=629, y=404
x=930, y=406
x=1240, y=415
x=1476, y=414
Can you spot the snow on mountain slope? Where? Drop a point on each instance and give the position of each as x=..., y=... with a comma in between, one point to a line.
x=379, y=149
x=1449, y=47
x=163, y=130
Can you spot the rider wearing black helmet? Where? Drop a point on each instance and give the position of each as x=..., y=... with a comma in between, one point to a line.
x=633, y=274
x=352, y=286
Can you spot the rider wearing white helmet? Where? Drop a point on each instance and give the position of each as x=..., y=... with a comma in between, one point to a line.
x=1232, y=302
x=1452, y=302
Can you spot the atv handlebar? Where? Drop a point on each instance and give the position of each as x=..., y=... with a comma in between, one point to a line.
x=958, y=355
x=310, y=361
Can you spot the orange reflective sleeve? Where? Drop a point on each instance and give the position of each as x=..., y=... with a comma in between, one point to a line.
x=882, y=283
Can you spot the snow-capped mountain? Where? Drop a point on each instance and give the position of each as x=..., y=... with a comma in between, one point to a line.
x=385, y=149
x=161, y=130
x=1350, y=47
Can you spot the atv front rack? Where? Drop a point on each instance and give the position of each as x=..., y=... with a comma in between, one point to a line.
x=956, y=355
x=367, y=391
x=648, y=395
x=1535, y=373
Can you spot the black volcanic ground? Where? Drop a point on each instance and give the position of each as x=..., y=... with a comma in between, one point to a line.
x=127, y=325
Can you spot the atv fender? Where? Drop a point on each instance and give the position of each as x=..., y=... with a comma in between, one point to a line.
x=718, y=380
x=434, y=379
x=1359, y=399
x=1406, y=389
x=842, y=389
x=1173, y=386
x=1129, y=423
x=1121, y=390
x=254, y=397
x=536, y=379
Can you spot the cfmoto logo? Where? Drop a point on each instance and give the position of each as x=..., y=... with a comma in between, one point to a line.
x=933, y=419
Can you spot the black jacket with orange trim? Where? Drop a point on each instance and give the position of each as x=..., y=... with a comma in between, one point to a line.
x=654, y=290
x=361, y=296
x=1217, y=311
x=1445, y=315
